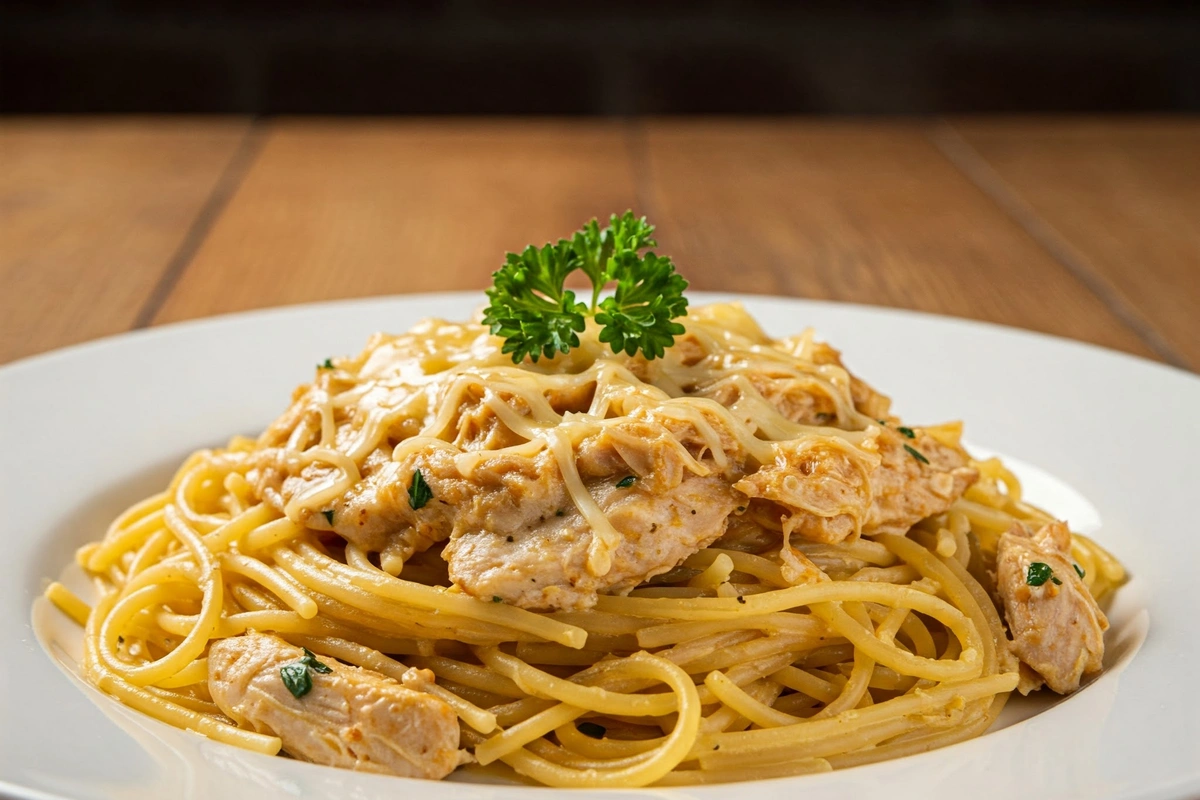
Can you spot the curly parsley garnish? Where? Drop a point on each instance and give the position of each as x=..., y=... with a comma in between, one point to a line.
x=419, y=492
x=296, y=675
x=537, y=316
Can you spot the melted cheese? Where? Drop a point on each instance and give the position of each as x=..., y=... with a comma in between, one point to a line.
x=427, y=378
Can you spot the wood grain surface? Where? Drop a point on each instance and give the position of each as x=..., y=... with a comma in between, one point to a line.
x=860, y=213
x=91, y=214
x=1085, y=229
x=335, y=210
x=1121, y=204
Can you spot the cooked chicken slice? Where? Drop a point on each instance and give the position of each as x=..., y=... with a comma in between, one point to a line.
x=906, y=488
x=375, y=513
x=830, y=491
x=521, y=538
x=542, y=561
x=1057, y=628
x=822, y=485
x=352, y=718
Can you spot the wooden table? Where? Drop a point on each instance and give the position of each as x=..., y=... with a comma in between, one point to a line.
x=1086, y=228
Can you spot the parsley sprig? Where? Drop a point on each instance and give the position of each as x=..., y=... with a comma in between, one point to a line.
x=537, y=316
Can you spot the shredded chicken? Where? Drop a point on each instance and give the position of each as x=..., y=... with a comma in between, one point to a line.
x=657, y=532
x=352, y=718
x=500, y=501
x=822, y=486
x=1057, y=628
x=830, y=492
x=907, y=489
x=806, y=401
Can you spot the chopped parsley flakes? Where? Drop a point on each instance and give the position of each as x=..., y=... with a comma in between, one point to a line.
x=915, y=453
x=296, y=675
x=419, y=492
x=626, y=482
x=1038, y=573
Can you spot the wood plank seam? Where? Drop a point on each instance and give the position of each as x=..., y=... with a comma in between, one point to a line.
x=223, y=189
x=638, y=147
x=959, y=152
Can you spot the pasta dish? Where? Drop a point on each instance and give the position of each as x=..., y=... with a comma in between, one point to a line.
x=631, y=544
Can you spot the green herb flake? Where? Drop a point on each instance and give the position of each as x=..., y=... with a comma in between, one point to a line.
x=497, y=599
x=1079, y=571
x=296, y=678
x=328, y=514
x=591, y=730
x=912, y=451
x=296, y=675
x=559, y=513
x=626, y=482
x=310, y=661
x=536, y=315
x=326, y=364
x=907, y=432
x=1055, y=581
x=419, y=492
x=1038, y=573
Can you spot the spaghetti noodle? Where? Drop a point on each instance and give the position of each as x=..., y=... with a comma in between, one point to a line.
x=801, y=633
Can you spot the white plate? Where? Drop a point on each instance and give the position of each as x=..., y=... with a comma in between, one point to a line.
x=1115, y=441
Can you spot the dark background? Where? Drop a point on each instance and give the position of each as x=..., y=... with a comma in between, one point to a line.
x=616, y=57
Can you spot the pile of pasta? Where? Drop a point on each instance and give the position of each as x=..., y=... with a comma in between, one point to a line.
x=719, y=670
x=901, y=652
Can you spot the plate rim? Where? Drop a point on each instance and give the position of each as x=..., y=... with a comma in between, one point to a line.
x=470, y=299
x=695, y=298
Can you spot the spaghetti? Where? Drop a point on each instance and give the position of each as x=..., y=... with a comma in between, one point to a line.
x=802, y=633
